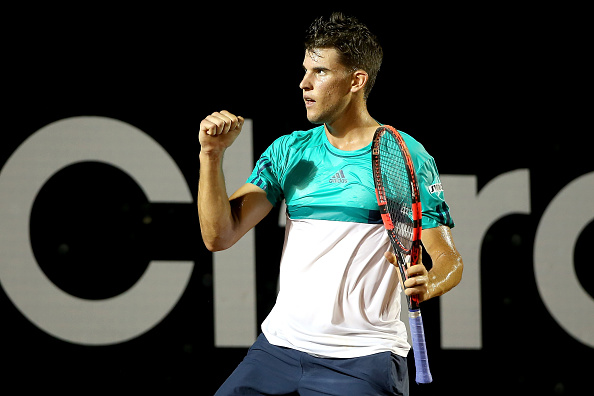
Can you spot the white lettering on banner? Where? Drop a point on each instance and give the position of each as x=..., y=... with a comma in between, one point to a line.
x=571, y=210
x=57, y=145
x=137, y=310
x=474, y=212
x=234, y=269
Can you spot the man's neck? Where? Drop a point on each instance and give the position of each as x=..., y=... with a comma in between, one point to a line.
x=352, y=131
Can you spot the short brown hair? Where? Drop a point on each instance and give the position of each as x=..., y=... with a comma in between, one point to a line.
x=358, y=47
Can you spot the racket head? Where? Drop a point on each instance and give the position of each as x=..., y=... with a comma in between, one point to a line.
x=398, y=197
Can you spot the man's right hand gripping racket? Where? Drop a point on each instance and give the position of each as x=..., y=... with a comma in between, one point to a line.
x=398, y=197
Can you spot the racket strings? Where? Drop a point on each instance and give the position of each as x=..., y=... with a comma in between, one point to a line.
x=397, y=190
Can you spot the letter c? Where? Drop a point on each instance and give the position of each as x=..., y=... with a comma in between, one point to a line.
x=53, y=147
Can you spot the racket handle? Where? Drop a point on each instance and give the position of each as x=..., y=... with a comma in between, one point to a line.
x=423, y=375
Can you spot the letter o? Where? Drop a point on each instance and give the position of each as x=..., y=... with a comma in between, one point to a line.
x=562, y=222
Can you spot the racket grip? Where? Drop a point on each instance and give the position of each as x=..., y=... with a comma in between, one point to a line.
x=423, y=375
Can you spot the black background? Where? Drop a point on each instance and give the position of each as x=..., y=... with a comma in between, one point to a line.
x=486, y=89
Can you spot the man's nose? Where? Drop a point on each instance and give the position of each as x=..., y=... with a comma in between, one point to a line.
x=305, y=83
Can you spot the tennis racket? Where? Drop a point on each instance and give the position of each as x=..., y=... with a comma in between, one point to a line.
x=398, y=197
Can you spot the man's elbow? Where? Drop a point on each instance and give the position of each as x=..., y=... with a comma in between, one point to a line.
x=215, y=244
x=459, y=269
x=213, y=247
x=218, y=242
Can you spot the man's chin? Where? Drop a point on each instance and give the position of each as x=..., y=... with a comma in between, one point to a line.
x=315, y=119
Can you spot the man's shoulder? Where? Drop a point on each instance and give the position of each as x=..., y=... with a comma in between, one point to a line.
x=298, y=140
x=417, y=151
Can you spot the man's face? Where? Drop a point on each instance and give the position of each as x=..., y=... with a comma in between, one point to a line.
x=326, y=85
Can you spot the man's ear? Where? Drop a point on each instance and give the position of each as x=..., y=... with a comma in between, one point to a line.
x=360, y=78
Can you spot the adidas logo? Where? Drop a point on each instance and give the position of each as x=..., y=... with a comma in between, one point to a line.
x=338, y=178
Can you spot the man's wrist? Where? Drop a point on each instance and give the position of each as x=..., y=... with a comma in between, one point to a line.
x=211, y=156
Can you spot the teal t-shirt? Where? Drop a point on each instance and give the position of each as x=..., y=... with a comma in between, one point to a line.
x=319, y=181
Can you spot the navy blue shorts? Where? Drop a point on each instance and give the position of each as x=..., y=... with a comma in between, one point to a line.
x=271, y=370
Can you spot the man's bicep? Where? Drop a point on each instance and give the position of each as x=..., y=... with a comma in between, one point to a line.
x=249, y=205
x=438, y=241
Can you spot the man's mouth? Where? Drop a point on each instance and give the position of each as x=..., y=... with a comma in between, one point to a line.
x=308, y=101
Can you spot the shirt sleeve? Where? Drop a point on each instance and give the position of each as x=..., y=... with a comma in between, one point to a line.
x=265, y=176
x=435, y=209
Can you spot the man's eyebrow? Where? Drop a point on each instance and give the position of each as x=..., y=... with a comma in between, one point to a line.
x=317, y=68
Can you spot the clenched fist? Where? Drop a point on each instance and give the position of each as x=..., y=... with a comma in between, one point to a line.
x=218, y=131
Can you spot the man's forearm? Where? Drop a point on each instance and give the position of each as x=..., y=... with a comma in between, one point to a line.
x=445, y=273
x=214, y=210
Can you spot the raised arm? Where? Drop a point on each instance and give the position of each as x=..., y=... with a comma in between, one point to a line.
x=224, y=220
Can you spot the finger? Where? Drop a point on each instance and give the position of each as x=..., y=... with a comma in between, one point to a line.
x=223, y=122
x=416, y=282
x=240, y=121
x=229, y=121
x=213, y=124
x=217, y=123
x=416, y=270
x=410, y=283
x=391, y=257
x=413, y=291
x=236, y=121
x=208, y=127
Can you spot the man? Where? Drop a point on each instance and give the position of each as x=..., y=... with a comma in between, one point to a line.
x=335, y=327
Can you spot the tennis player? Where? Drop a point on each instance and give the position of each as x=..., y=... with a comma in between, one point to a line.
x=335, y=328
